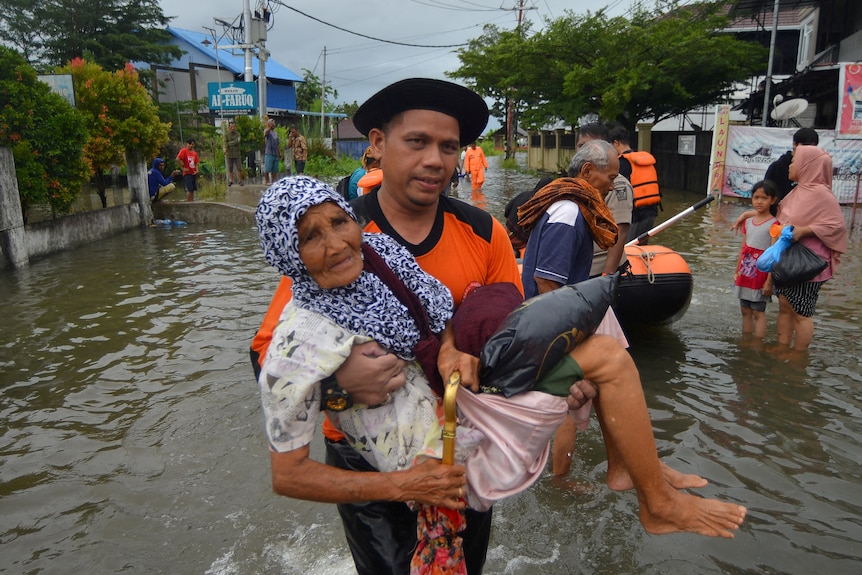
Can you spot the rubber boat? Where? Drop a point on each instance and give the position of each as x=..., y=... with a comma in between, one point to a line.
x=655, y=289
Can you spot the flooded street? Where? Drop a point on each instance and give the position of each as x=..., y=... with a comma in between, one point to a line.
x=131, y=434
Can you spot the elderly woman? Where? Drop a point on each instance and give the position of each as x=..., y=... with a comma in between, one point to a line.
x=342, y=296
x=814, y=213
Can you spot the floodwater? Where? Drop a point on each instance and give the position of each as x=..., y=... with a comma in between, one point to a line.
x=131, y=436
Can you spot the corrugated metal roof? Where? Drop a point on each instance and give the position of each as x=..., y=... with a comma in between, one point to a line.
x=230, y=61
x=791, y=17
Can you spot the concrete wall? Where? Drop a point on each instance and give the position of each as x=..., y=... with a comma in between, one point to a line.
x=205, y=213
x=51, y=236
x=552, y=150
x=20, y=243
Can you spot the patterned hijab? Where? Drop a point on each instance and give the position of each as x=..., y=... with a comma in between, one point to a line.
x=366, y=306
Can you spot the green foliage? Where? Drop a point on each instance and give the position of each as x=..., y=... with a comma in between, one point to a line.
x=107, y=32
x=46, y=136
x=120, y=115
x=652, y=64
x=308, y=93
x=323, y=162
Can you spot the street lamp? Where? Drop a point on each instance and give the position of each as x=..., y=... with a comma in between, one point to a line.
x=206, y=42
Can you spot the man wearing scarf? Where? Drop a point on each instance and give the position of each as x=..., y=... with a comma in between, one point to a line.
x=565, y=217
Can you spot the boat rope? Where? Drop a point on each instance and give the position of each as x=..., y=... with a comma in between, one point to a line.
x=647, y=257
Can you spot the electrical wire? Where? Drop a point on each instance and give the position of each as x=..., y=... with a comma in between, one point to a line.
x=370, y=37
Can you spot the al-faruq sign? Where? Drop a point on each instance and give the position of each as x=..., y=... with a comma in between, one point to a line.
x=232, y=98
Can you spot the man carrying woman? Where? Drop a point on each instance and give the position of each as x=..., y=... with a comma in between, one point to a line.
x=416, y=127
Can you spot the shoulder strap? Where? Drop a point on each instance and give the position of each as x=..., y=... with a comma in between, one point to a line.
x=429, y=344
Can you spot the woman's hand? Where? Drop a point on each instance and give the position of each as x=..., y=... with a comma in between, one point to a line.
x=580, y=393
x=370, y=373
x=295, y=475
x=800, y=232
x=432, y=483
x=450, y=359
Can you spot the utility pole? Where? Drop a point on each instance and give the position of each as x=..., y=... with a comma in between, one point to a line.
x=510, y=108
x=323, y=97
x=768, y=89
x=248, y=46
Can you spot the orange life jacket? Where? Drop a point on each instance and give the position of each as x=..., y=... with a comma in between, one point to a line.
x=644, y=179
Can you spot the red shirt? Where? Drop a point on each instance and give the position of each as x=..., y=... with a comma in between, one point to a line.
x=189, y=159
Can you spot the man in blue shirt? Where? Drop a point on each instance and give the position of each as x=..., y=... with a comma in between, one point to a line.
x=158, y=183
x=560, y=249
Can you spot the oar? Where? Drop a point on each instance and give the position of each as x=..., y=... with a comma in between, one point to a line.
x=670, y=222
x=450, y=417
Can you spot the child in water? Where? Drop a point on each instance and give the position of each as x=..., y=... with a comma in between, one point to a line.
x=752, y=286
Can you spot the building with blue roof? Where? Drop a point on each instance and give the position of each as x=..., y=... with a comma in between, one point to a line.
x=188, y=77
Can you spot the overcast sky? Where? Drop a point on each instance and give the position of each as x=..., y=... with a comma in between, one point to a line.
x=357, y=66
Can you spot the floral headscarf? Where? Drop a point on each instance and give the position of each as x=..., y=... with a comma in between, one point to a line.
x=366, y=306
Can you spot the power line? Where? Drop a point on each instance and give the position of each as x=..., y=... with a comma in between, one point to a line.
x=369, y=37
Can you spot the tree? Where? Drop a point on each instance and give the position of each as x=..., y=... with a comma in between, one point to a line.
x=654, y=64
x=46, y=136
x=106, y=32
x=120, y=116
x=308, y=93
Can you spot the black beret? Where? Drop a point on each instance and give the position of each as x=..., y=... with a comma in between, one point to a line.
x=461, y=103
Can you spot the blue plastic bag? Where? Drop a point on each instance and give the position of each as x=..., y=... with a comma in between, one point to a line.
x=773, y=253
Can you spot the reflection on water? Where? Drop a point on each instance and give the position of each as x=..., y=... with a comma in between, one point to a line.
x=131, y=434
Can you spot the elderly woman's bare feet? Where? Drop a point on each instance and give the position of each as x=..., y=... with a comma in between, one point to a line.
x=619, y=479
x=682, y=512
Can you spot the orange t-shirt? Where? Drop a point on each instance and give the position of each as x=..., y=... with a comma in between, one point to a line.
x=466, y=248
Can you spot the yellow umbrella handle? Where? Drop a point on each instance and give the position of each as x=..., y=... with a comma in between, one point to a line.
x=450, y=417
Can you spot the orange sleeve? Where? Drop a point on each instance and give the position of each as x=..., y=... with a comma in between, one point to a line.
x=263, y=337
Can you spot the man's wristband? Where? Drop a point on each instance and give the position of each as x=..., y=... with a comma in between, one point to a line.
x=332, y=397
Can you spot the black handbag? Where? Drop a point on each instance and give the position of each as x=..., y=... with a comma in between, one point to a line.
x=796, y=265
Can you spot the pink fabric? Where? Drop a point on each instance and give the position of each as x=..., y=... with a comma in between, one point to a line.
x=812, y=203
x=518, y=432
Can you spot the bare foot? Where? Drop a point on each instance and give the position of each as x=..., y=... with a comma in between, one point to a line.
x=577, y=487
x=620, y=480
x=686, y=513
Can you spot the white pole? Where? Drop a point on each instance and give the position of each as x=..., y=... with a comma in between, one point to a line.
x=248, y=47
x=323, y=96
x=768, y=89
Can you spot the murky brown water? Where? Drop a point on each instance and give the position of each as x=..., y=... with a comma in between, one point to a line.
x=131, y=440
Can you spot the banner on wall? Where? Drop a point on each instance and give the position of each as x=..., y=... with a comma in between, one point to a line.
x=750, y=150
x=719, y=149
x=850, y=101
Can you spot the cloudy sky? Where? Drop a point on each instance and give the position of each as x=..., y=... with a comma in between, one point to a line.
x=370, y=44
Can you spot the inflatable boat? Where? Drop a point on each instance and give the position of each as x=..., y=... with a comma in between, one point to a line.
x=655, y=288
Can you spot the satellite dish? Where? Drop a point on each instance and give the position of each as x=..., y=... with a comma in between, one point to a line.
x=789, y=109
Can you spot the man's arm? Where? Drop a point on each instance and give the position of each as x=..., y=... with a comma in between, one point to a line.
x=615, y=252
x=295, y=475
x=370, y=374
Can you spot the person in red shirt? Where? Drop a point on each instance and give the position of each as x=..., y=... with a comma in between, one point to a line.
x=189, y=160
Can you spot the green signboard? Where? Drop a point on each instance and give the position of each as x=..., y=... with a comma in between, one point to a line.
x=232, y=98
